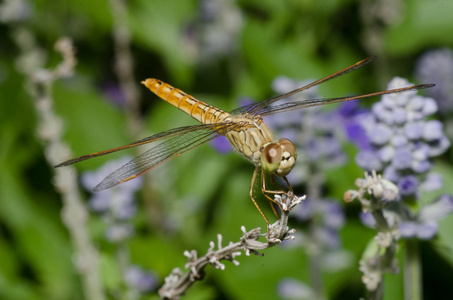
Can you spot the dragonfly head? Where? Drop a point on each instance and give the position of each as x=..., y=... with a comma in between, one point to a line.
x=279, y=157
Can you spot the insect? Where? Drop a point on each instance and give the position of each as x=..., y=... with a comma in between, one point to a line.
x=244, y=128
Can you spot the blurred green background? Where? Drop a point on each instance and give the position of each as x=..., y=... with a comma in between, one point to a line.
x=218, y=51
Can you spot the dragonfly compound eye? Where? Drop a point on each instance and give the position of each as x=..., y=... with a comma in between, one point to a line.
x=288, y=146
x=271, y=158
x=288, y=159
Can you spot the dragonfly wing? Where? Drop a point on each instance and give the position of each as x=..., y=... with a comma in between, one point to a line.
x=166, y=145
x=250, y=108
x=255, y=108
x=157, y=137
x=270, y=110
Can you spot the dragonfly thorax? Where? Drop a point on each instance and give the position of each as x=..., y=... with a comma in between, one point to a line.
x=250, y=137
x=279, y=157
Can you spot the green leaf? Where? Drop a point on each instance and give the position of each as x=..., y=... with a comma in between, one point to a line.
x=424, y=24
x=91, y=123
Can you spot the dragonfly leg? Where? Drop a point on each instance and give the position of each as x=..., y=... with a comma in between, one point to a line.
x=252, y=185
x=286, y=181
x=265, y=192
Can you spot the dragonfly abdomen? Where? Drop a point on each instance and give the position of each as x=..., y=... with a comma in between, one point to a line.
x=199, y=110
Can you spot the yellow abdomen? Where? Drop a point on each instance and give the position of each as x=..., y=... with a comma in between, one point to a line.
x=199, y=110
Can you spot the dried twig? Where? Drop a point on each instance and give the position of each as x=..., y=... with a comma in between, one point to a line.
x=178, y=282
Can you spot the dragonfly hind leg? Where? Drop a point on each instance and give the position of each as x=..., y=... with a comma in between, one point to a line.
x=280, y=191
x=266, y=193
x=286, y=181
x=252, y=185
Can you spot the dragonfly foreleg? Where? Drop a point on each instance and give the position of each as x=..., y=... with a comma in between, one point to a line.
x=252, y=185
x=286, y=181
x=278, y=186
x=265, y=192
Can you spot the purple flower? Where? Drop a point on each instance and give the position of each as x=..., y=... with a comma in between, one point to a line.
x=329, y=209
x=392, y=174
x=414, y=130
x=91, y=178
x=432, y=182
x=350, y=115
x=369, y=160
x=424, y=226
x=217, y=28
x=403, y=139
x=328, y=237
x=386, y=153
x=433, y=131
x=119, y=232
x=222, y=145
x=323, y=148
x=305, y=210
x=114, y=93
x=289, y=288
x=243, y=101
x=407, y=229
x=331, y=216
x=408, y=185
x=367, y=219
x=436, y=66
x=421, y=166
x=438, y=147
x=139, y=279
x=423, y=231
x=401, y=142
x=427, y=230
x=402, y=159
x=117, y=203
x=380, y=134
x=382, y=113
x=438, y=209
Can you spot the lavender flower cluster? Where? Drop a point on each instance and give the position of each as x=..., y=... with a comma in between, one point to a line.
x=331, y=219
x=397, y=138
x=424, y=225
x=140, y=280
x=117, y=204
x=401, y=141
x=117, y=207
x=437, y=66
x=214, y=33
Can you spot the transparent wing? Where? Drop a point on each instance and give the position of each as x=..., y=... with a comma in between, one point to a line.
x=165, y=146
x=255, y=108
x=270, y=110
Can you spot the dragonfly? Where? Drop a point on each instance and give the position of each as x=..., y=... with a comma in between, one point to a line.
x=243, y=127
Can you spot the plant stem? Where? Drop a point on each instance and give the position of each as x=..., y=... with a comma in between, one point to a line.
x=314, y=258
x=74, y=212
x=315, y=251
x=412, y=271
x=377, y=294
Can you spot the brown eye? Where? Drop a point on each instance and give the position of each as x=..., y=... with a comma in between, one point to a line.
x=288, y=146
x=271, y=157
